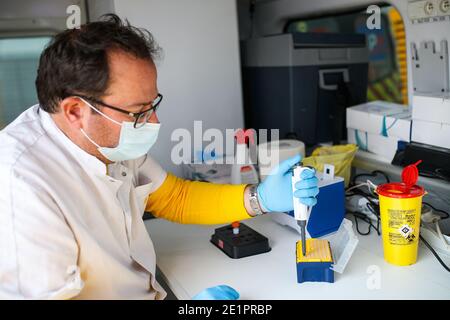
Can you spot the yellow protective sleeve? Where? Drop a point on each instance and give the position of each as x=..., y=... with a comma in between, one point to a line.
x=194, y=202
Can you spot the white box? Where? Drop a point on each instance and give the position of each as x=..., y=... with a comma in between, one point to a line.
x=385, y=147
x=381, y=118
x=434, y=109
x=433, y=133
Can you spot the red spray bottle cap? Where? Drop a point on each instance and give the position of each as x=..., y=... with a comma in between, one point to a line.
x=410, y=174
x=243, y=136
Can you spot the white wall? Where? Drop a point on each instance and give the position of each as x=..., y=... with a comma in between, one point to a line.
x=200, y=73
x=30, y=17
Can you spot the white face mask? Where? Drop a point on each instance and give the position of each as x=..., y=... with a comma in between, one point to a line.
x=133, y=143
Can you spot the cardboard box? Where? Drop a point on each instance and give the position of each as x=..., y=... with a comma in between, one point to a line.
x=433, y=133
x=385, y=147
x=381, y=118
x=434, y=109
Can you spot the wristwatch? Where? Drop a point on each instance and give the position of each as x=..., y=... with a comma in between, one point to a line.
x=254, y=202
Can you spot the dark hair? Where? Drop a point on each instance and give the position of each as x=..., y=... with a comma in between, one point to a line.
x=76, y=61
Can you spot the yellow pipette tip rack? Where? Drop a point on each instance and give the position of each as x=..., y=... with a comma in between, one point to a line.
x=316, y=265
x=317, y=250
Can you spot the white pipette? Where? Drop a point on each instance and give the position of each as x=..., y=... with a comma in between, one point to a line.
x=301, y=211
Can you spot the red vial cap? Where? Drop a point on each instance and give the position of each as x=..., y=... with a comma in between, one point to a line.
x=235, y=224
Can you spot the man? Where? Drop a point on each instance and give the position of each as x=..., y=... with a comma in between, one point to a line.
x=76, y=176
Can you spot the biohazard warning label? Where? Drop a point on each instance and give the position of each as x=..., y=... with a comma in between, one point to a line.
x=405, y=231
x=400, y=225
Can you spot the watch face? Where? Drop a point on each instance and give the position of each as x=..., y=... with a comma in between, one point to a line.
x=254, y=203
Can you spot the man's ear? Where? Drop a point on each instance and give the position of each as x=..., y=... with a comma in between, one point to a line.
x=75, y=111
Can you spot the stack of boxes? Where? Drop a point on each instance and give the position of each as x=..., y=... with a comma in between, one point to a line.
x=378, y=126
x=431, y=120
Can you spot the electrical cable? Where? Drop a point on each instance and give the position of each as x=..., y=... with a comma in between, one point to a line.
x=359, y=192
x=371, y=205
x=375, y=209
x=434, y=253
x=374, y=173
x=361, y=216
x=439, y=232
x=438, y=210
x=357, y=186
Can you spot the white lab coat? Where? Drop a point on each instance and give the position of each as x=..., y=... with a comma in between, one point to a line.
x=67, y=228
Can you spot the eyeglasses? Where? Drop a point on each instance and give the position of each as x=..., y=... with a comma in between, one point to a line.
x=141, y=118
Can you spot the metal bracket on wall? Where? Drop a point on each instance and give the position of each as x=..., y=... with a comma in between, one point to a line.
x=430, y=68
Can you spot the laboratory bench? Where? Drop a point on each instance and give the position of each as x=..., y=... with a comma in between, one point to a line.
x=189, y=263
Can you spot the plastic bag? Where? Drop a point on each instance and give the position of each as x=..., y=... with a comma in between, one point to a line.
x=340, y=156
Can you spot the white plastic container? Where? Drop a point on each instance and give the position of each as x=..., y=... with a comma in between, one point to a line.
x=285, y=148
x=343, y=243
x=381, y=118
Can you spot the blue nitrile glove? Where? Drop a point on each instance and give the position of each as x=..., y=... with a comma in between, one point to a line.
x=217, y=293
x=275, y=192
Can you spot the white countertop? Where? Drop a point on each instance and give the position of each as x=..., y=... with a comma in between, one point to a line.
x=190, y=263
